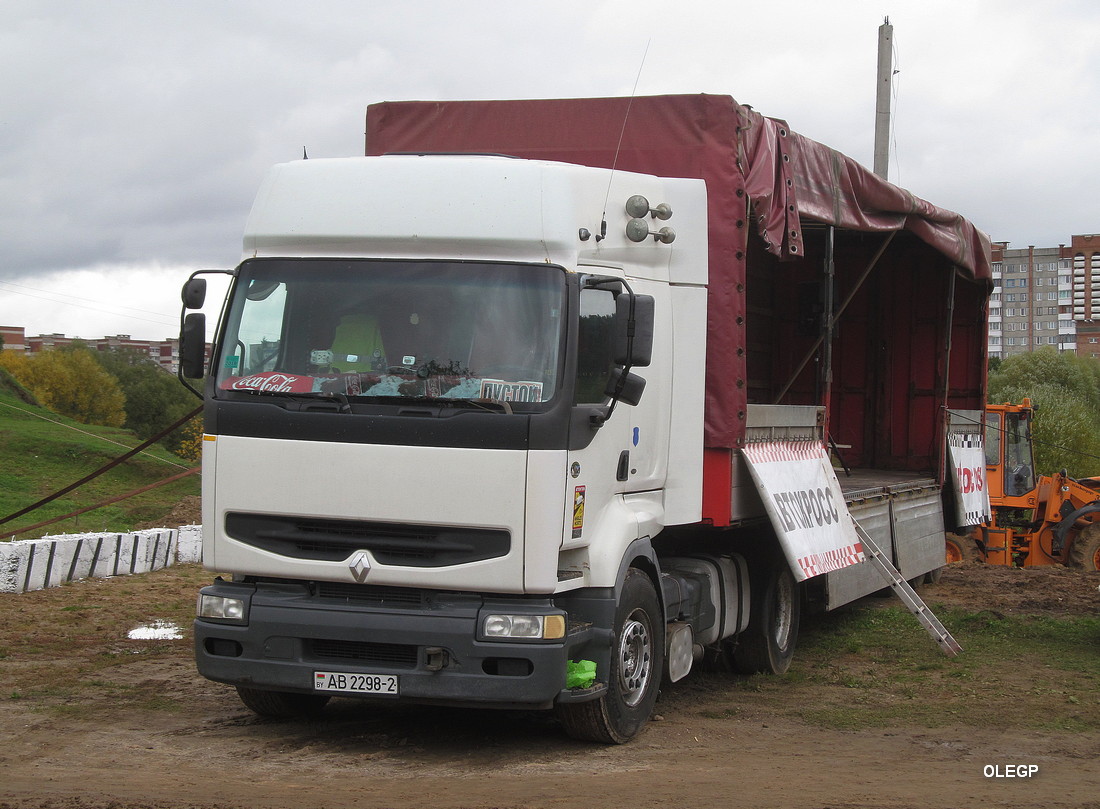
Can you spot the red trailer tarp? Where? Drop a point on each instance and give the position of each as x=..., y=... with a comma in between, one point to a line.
x=742, y=156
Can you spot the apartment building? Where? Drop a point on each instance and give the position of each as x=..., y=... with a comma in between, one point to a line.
x=1046, y=296
x=14, y=337
x=1084, y=253
x=163, y=352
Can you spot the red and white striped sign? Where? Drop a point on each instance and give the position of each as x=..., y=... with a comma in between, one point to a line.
x=805, y=505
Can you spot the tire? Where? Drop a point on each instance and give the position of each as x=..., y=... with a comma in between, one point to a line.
x=960, y=548
x=1084, y=553
x=767, y=644
x=637, y=663
x=281, y=704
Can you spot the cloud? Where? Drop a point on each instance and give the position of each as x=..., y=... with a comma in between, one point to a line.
x=135, y=134
x=142, y=300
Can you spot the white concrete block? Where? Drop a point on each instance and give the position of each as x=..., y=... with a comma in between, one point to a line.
x=106, y=556
x=152, y=549
x=127, y=554
x=161, y=553
x=189, y=544
x=142, y=560
x=14, y=558
x=37, y=565
x=33, y=564
x=62, y=553
x=85, y=557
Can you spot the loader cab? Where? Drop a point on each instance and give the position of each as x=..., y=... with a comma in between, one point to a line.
x=1009, y=458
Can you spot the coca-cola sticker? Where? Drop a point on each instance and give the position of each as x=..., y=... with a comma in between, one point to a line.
x=270, y=382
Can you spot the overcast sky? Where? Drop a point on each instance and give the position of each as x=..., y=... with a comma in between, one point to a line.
x=134, y=133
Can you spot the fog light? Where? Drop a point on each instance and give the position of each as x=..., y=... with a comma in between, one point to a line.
x=524, y=627
x=221, y=608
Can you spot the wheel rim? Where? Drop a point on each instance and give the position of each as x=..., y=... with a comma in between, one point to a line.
x=635, y=660
x=1096, y=559
x=784, y=597
x=953, y=553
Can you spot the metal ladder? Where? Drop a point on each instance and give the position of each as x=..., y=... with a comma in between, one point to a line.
x=908, y=595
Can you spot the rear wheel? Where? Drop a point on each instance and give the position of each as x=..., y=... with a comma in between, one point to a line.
x=767, y=644
x=1085, y=551
x=637, y=660
x=281, y=704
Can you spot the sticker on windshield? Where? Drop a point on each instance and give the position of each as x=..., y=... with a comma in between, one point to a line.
x=511, y=391
x=232, y=361
x=270, y=382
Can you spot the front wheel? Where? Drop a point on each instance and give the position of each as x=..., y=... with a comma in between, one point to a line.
x=281, y=704
x=767, y=644
x=959, y=548
x=637, y=660
x=1085, y=551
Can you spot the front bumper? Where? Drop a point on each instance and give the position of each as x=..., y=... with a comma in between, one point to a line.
x=428, y=639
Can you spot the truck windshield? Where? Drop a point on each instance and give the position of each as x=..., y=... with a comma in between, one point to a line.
x=408, y=329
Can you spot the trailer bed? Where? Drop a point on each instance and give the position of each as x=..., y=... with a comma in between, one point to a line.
x=863, y=483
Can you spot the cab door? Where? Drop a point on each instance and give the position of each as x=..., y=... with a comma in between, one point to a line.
x=626, y=453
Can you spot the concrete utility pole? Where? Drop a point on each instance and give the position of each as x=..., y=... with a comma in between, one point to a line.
x=882, y=99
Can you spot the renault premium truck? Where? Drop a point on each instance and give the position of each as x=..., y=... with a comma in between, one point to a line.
x=540, y=402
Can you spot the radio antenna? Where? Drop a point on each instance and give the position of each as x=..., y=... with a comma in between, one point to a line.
x=619, y=145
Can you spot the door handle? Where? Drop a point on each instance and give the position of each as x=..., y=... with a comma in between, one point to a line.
x=623, y=470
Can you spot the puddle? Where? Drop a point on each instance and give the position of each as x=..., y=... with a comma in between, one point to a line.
x=157, y=630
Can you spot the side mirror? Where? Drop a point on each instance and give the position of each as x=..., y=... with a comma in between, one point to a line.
x=625, y=387
x=194, y=293
x=193, y=345
x=633, y=336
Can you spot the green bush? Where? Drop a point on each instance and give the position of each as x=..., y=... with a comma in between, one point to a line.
x=1065, y=390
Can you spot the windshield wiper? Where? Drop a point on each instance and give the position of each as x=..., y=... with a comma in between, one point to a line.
x=309, y=399
x=488, y=404
x=335, y=401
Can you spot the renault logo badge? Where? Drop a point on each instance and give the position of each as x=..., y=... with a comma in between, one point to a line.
x=359, y=566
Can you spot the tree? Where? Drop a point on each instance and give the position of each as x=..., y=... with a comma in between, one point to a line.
x=1065, y=390
x=154, y=398
x=1048, y=367
x=190, y=444
x=71, y=383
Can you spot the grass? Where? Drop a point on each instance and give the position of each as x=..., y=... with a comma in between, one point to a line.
x=65, y=652
x=875, y=667
x=39, y=457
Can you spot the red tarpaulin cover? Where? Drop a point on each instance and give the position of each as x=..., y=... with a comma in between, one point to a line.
x=740, y=153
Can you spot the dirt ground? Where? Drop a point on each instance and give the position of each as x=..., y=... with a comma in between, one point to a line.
x=111, y=722
x=187, y=511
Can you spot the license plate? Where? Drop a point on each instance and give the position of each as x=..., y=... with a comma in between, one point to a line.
x=336, y=681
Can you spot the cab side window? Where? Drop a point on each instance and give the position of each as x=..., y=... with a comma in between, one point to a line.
x=594, y=345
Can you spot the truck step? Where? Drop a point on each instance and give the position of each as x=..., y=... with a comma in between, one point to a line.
x=908, y=595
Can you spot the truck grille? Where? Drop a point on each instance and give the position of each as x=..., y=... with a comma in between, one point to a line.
x=327, y=540
x=389, y=654
x=366, y=594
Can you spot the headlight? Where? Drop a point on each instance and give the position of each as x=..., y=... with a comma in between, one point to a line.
x=221, y=608
x=524, y=627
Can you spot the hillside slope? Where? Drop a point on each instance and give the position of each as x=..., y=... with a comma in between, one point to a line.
x=42, y=452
